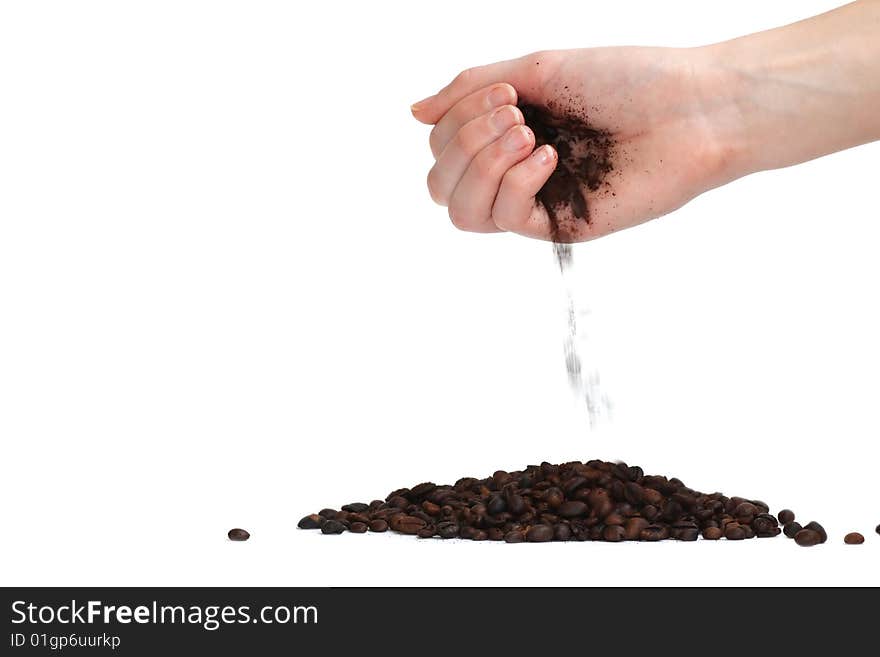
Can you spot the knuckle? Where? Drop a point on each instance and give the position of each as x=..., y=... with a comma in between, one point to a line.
x=435, y=188
x=459, y=219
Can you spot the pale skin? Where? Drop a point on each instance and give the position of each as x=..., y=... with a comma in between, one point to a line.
x=686, y=120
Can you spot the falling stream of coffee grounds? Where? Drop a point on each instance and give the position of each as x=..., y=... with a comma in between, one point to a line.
x=585, y=158
x=584, y=382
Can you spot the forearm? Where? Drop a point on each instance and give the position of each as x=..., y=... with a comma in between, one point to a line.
x=797, y=92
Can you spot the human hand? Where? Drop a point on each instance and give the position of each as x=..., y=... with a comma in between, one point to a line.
x=656, y=105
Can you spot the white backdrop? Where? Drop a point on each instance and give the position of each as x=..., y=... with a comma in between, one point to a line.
x=226, y=299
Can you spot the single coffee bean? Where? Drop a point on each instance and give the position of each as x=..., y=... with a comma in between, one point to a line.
x=553, y=497
x=613, y=533
x=238, y=535
x=539, y=533
x=688, y=534
x=495, y=534
x=479, y=535
x=358, y=517
x=378, y=525
x=426, y=532
x=514, y=537
x=791, y=529
x=561, y=532
x=358, y=528
x=734, y=532
x=748, y=532
x=329, y=514
x=421, y=490
x=633, y=528
x=407, y=524
x=654, y=533
x=877, y=529
x=819, y=529
x=853, y=538
x=572, y=509
x=447, y=529
x=785, y=516
x=313, y=521
x=333, y=527
x=356, y=507
x=712, y=533
x=808, y=538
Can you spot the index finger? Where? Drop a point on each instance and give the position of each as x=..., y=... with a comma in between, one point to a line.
x=514, y=71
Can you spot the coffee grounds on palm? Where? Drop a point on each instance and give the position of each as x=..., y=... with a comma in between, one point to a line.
x=575, y=501
x=585, y=159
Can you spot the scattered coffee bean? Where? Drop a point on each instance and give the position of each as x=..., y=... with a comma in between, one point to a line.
x=329, y=514
x=356, y=507
x=791, y=529
x=333, y=527
x=785, y=516
x=853, y=538
x=313, y=521
x=238, y=535
x=807, y=538
x=819, y=529
x=358, y=528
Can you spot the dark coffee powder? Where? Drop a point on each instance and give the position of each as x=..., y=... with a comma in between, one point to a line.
x=585, y=159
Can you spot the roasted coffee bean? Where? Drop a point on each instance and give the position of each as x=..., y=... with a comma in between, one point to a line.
x=514, y=537
x=539, y=533
x=613, y=533
x=650, y=512
x=764, y=524
x=633, y=528
x=495, y=534
x=808, y=538
x=572, y=509
x=653, y=533
x=791, y=529
x=426, y=532
x=877, y=529
x=785, y=516
x=819, y=529
x=421, y=490
x=553, y=497
x=480, y=535
x=358, y=528
x=633, y=492
x=356, y=507
x=333, y=527
x=329, y=514
x=496, y=504
x=447, y=529
x=407, y=524
x=688, y=534
x=734, y=532
x=238, y=535
x=561, y=532
x=712, y=533
x=378, y=526
x=853, y=538
x=358, y=517
x=313, y=521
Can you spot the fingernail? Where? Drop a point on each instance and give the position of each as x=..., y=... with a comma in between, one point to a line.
x=504, y=118
x=417, y=107
x=518, y=137
x=544, y=155
x=500, y=96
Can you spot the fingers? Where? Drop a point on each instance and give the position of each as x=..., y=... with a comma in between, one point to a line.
x=514, y=209
x=468, y=108
x=470, y=207
x=457, y=155
x=431, y=109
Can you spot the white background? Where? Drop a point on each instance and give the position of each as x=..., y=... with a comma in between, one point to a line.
x=226, y=299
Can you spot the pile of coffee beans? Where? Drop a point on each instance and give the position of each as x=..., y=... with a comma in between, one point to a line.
x=593, y=501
